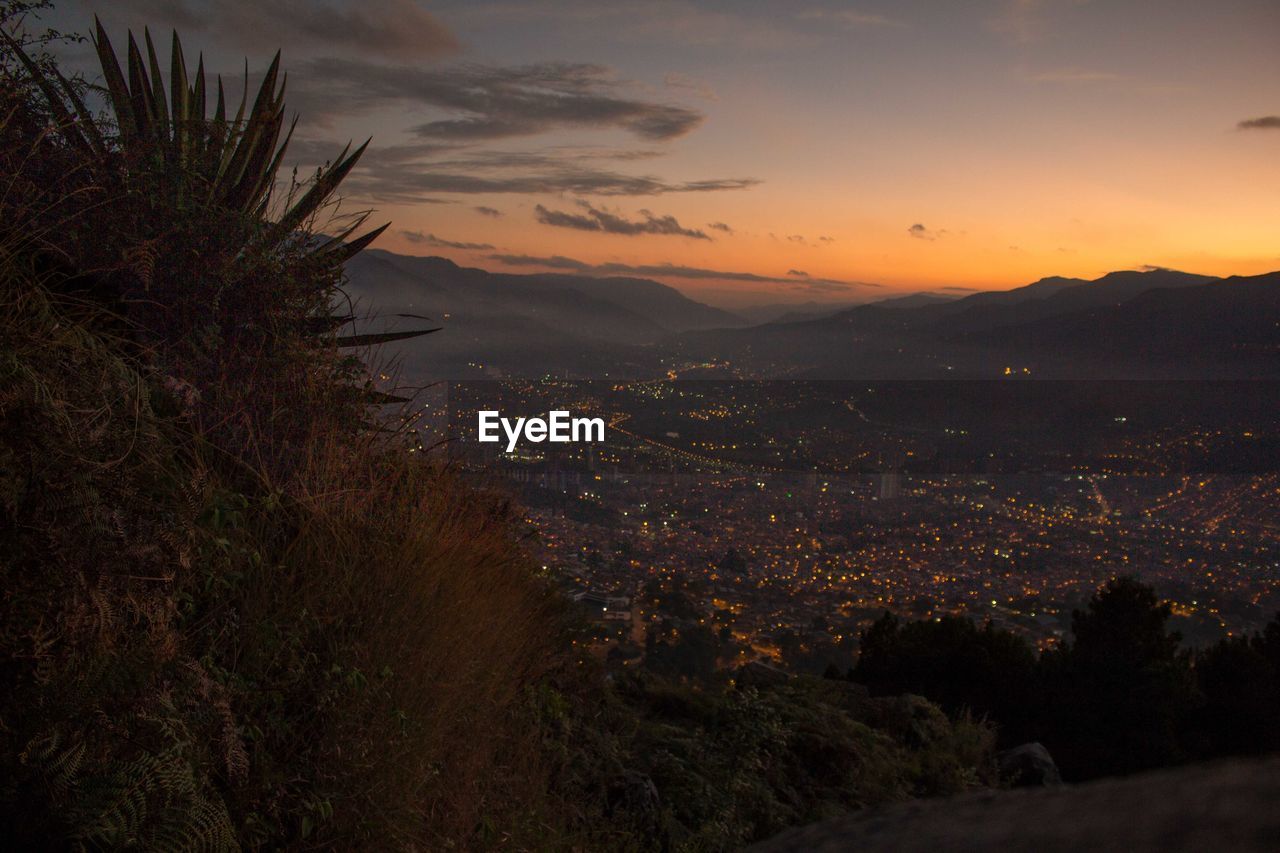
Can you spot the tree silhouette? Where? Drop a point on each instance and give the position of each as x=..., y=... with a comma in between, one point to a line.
x=1114, y=698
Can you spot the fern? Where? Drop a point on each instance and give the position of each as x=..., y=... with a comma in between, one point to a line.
x=155, y=800
x=58, y=767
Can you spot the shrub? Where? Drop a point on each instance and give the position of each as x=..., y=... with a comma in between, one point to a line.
x=236, y=611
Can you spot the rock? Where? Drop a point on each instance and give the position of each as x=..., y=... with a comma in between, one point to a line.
x=1228, y=805
x=1028, y=766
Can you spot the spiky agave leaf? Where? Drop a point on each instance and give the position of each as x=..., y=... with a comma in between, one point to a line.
x=117, y=88
x=231, y=164
x=69, y=124
x=376, y=338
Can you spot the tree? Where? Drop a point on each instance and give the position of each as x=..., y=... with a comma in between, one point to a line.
x=988, y=671
x=1115, y=697
x=1239, y=683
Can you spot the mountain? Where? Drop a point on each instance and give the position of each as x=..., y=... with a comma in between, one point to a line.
x=1228, y=328
x=658, y=305
x=789, y=312
x=1041, y=289
x=1153, y=323
x=913, y=300
x=1057, y=297
x=1156, y=323
x=501, y=323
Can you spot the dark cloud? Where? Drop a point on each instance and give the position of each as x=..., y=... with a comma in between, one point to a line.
x=720, y=226
x=413, y=183
x=1260, y=123
x=410, y=180
x=437, y=242
x=798, y=273
x=955, y=288
x=494, y=102
x=488, y=102
x=560, y=262
x=921, y=233
x=401, y=29
x=801, y=240
x=491, y=212
x=596, y=219
x=417, y=172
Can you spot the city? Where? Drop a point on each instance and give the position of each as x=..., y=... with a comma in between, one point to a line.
x=788, y=537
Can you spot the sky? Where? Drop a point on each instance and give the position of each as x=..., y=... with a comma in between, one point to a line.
x=758, y=152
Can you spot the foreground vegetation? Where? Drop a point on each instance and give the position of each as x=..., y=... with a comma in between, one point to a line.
x=238, y=611
x=1119, y=695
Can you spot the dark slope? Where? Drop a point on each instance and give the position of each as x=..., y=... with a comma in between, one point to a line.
x=1227, y=328
x=1156, y=324
x=661, y=306
x=1217, y=806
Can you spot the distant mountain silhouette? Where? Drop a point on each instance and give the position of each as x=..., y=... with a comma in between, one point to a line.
x=424, y=280
x=789, y=312
x=1157, y=323
x=518, y=324
x=914, y=300
x=1225, y=328
x=1152, y=324
x=1041, y=289
x=1055, y=297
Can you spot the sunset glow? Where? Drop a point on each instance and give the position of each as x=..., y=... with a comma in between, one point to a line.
x=913, y=146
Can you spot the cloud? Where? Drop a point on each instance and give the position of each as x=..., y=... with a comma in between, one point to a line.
x=798, y=273
x=921, y=233
x=413, y=184
x=955, y=288
x=493, y=102
x=419, y=172
x=596, y=219
x=432, y=240
x=1260, y=123
x=415, y=173
x=560, y=262
x=801, y=240
x=849, y=18
x=491, y=212
x=315, y=152
x=400, y=29
x=720, y=226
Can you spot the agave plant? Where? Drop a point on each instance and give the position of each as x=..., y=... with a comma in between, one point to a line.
x=199, y=160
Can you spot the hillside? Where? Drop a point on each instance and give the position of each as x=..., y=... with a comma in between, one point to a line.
x=522, y=324
x=1224, y=806
x=1154, y=324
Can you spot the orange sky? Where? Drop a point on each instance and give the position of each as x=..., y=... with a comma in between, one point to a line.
x=922, y=144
